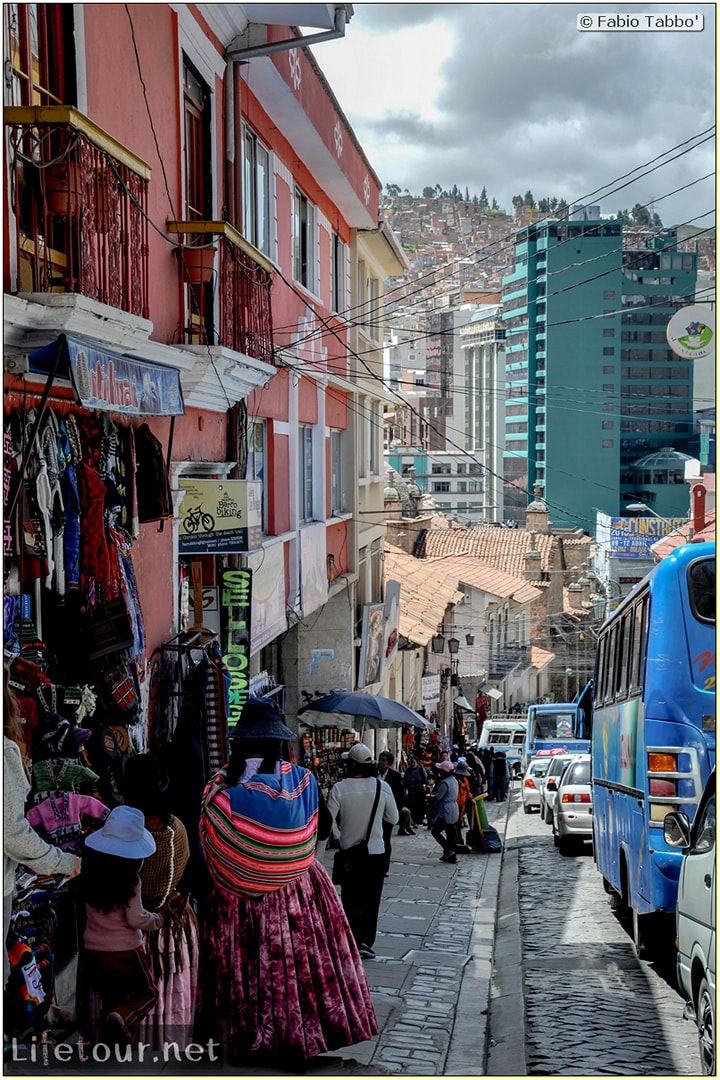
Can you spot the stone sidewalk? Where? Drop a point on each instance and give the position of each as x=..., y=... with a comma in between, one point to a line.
x=431, y=979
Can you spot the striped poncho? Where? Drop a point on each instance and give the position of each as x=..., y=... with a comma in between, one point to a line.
x=260, y=834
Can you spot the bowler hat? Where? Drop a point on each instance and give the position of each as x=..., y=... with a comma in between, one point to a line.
x=123, y=833
x=260, y=719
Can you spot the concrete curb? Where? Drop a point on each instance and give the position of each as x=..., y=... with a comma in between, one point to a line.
x=505, y=1055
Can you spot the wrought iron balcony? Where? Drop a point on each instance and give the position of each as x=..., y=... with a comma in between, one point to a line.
x=79, y=203
x=505, y=658
x=214, y=257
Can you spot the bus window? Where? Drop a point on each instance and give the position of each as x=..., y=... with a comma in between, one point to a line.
x=624, y=654
x=701, y=590
x=599, y=681
x=638, y=652
x=613, y=665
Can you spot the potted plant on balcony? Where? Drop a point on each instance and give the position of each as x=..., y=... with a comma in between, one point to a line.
x=197, y=262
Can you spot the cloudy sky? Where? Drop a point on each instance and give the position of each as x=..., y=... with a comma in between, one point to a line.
x=513, y=97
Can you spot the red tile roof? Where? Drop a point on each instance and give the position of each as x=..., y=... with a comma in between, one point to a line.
x=505, y=548
x=423, y=599
x=662, y=548
x=470, y=571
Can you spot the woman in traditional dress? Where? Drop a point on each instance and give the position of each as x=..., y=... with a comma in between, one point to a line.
x=173, y=951
x=282, y=980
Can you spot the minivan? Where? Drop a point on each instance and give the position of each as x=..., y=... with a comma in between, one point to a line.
x=695, y=918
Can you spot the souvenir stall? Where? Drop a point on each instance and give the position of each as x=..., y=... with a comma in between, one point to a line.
x=322, y=750
x=78, y=483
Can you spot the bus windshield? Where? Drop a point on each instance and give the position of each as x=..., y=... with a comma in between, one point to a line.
x=701, y=590
x=557, y=725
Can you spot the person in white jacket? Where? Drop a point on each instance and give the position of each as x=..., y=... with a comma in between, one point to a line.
x=351, y=803
x=21, y=844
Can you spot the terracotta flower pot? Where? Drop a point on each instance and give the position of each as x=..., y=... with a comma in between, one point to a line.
x=197, y=262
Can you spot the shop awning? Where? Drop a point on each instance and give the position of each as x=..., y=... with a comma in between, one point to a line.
x=493, y=693
x=109, y=381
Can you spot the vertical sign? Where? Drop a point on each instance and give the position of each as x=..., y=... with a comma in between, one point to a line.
x=235, y=605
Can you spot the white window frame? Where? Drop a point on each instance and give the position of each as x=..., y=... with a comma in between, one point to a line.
x=257, y=462
x=305, y=473
x=337, y=492
x=257, y=191
x=338, y=275
x=305, y=240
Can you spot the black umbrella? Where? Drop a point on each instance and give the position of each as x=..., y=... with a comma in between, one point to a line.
x=374, y=712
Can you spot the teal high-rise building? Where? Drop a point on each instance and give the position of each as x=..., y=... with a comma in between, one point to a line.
x=582, y=378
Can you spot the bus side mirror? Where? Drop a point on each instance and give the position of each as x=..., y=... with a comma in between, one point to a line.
x=676, y=829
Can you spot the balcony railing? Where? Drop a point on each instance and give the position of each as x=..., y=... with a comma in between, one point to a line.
x=505, y=658
x=218, y=257
x=79, y=202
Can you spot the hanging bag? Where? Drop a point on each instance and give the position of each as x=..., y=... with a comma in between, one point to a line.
x=349, y=861
x=260, y=835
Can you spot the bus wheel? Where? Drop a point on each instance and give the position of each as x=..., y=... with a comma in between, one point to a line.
x=615, y=900
x=644, y=930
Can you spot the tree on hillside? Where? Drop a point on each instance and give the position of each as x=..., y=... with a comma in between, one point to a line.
x=428, y=193
x=484, y=198
x=494, y=204
x=392, y=189
x=657, y=221
x=467, y=193
x=562, y=208
x=517, y=201
x=528, y=199
x=623, y=216
x=640, y=215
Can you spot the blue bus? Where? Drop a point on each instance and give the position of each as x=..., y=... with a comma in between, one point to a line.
x=653, y=739
x=558, y=727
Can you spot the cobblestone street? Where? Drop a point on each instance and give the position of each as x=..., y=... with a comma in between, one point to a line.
x=591, y=1007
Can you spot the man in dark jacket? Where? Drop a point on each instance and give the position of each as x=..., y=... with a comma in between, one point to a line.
x=394, y=781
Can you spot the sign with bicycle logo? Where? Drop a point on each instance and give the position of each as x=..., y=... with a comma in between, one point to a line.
x=219, y=516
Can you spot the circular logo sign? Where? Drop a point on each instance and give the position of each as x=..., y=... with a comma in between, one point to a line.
x=691, y=333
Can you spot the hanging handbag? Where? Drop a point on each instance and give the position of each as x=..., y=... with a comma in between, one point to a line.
x=348, y=861
x=110, y=630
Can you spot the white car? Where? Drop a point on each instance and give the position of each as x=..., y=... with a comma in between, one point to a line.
x=572, y=809
x=536, y=770
x=695, y=919
x=550, y=781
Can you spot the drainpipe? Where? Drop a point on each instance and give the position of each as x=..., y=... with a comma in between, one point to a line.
x=232, y=158
x=698, y=507
x=295, y=42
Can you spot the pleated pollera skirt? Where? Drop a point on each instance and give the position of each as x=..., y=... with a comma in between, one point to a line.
x=281, y=977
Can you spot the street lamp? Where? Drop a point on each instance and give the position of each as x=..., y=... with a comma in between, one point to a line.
x=638, y=507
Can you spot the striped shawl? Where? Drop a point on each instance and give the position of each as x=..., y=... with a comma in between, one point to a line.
x=260, y=835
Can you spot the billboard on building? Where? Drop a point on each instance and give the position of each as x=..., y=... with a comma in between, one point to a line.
x=632, y=538
x=370, y=669
x=219, y=516
x=392, y=623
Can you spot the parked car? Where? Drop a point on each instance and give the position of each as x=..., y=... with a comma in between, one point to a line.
x=572, y=807
x=536, y=770
x=695, y=918
x=548, y=790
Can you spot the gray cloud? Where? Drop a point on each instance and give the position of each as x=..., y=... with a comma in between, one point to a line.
x=528, y=101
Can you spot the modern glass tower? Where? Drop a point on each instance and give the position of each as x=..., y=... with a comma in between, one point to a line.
x=578, y=411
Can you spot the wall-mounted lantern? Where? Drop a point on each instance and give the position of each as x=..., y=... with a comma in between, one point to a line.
x=453, y=645
x=469, y=639
x=438, y=644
